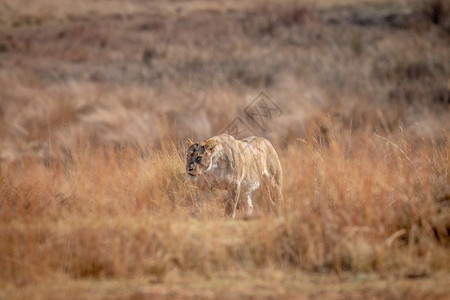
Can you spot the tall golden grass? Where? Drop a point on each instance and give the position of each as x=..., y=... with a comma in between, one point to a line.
x=366, y=204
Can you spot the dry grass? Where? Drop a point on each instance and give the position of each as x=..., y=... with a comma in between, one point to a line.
x=365, y=206
x=95, y=109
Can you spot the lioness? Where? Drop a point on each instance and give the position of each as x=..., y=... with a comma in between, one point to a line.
x=239, y=166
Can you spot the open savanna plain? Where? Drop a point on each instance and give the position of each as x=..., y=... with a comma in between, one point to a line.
x=98, y=98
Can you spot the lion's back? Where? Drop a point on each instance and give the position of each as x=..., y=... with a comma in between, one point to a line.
x=249, y=158
x=260, y=156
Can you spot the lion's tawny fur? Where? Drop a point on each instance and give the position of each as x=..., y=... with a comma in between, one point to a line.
x=239, y=166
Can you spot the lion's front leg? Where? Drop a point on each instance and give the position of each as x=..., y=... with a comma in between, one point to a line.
x=249, y=204
x=233, y=202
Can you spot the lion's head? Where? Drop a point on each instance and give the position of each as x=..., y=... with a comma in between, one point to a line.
x=199, y=157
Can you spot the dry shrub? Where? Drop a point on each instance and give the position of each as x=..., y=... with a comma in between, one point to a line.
x=437, y=12
x=267, y=18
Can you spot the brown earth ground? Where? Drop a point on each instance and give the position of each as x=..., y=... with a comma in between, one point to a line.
x=265, y=285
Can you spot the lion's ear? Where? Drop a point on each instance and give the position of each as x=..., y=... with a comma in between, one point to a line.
x=190, y=142
x=210, y=145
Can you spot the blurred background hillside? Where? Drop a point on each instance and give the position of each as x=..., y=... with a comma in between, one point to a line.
x=138, y=72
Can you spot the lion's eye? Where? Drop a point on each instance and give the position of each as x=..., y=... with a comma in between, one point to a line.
x=198, y=159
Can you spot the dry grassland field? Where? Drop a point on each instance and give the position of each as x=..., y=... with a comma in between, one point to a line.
x=98, y=98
